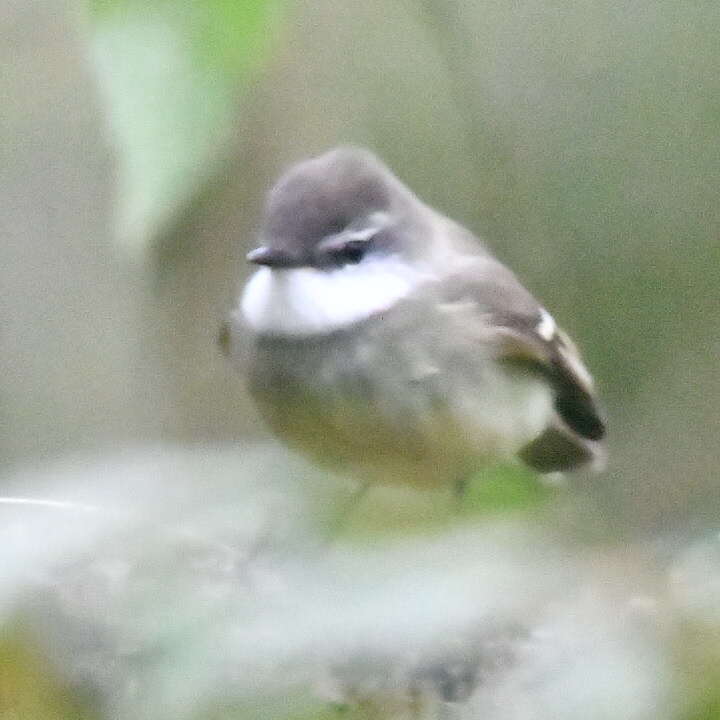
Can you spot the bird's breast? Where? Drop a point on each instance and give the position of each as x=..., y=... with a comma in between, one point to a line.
x=396, y=399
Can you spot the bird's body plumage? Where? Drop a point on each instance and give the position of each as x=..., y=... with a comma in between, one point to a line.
x=390, y=399
x=418, y=363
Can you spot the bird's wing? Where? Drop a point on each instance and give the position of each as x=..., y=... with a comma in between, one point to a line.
x=518, y=330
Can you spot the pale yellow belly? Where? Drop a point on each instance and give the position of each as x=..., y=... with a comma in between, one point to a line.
x=423, y=441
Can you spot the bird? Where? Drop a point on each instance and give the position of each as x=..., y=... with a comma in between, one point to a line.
x=385, y=341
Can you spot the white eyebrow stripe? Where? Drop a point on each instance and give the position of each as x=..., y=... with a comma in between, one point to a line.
x=375, y=223
x=546, y=327
x=364, y=234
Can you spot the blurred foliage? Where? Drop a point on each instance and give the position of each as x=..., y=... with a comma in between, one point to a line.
x=291, y=707
x=497, y=491
x=500, y=490
x=697, y=648
x=506, y=488
x=171, y=72
x=30, y=688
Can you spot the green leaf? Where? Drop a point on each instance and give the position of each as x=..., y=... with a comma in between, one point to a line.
x=170, y=72
x=505, y=488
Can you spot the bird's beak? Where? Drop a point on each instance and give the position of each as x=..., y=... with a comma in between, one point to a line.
x=273, y=257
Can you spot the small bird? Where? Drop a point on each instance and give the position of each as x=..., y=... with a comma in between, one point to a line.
x=384, y=340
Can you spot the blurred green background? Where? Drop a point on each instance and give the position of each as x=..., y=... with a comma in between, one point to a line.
x=580, y=139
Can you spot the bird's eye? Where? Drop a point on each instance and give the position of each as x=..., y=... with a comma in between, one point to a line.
x=346, y=248
x=348, y=252
x=352, y=251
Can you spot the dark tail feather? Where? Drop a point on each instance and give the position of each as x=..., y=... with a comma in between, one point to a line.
x=578, y=408
x=559, y=450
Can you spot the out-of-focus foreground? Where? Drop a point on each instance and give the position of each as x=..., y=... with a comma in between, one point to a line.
x=178, y=565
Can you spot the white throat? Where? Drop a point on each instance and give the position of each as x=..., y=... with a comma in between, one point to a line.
x=307, y=301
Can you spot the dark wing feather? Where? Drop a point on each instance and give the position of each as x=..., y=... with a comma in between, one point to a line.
x=556, y=358
x=521, y=332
